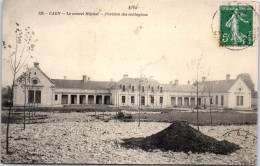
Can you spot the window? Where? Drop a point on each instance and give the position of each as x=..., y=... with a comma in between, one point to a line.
x=216, y=100
x=152, y=100
x=123, y=99
x=161, y=89
x=123, y=88
x=37, y=96
x=161, y=100
x=34, y=96
x=142, y=100
x=30, y=96
x=211, y=101
x=240, y=100
x=35, y=82
x=56, y=97
x=132, y=99
x=142, y=88
x=222, y=100
x=133, y=88
x=152, y=89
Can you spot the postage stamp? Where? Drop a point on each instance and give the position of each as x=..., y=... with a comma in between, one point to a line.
x=236, y=25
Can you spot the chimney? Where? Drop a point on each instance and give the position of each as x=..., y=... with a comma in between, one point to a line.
x=65, y=77
x=85, y=78
x=171, y=82
x=176, y=82
x=125, y=76
x=36, y=64
x=228, y=77
x=203, y=79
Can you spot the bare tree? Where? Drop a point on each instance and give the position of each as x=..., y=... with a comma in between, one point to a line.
x=17, y=56
x=141, y=79
x=210, y=99
x=24, y=80
x=197, y=85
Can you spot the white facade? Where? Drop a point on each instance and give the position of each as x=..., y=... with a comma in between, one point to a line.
x=44, y=88
x=129, y=92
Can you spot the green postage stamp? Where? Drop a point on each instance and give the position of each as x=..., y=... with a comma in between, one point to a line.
x=236, y=25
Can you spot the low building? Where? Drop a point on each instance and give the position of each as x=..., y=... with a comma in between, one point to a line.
x=34, y=87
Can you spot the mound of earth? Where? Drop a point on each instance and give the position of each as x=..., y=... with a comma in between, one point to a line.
x=181, y=137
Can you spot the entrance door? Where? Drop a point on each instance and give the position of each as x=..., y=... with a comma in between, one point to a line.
x=64, y=99
x=179, y=101
x=99, y=99
x=199, y=101
x=186, y=101
x=90, y=99
x=107, y=100
x=82, y=99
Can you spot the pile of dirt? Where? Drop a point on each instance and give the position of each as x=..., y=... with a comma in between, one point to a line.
x=181, y=137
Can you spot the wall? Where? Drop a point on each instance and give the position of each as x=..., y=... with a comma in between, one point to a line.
x=239, y=89
x=44, y=85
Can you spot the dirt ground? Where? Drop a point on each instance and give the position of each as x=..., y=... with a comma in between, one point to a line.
x=78, y=138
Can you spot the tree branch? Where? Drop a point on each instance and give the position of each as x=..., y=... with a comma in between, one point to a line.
x=21, y=56
x=16, y=48
x=22, y=63
x=11, y=61
x=11, y=67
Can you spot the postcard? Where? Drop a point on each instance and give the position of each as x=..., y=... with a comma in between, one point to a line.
x=129, y=82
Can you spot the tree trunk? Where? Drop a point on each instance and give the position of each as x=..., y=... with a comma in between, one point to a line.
x=24, y=107
x=8, y=119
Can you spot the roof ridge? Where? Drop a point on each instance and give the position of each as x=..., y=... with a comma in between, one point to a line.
x=220, y=80
x=82, y=80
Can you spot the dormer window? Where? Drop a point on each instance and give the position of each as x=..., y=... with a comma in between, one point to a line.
x=161, y=89
x=35, y=82
x=123, y=88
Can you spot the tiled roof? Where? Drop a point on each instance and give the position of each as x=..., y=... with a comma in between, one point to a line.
x=217, y=86
x=178, y=88
x=147, y=82
x=79, y=84
x=214, y=86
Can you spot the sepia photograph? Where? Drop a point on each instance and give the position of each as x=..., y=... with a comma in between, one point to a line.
x=129, y=82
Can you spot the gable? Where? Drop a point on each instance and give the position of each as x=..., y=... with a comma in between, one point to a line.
x=37, y=74
x=239, y=86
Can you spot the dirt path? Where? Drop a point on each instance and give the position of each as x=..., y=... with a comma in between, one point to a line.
x=78, y=138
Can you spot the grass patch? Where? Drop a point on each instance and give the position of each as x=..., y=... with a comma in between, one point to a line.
x=218, y=118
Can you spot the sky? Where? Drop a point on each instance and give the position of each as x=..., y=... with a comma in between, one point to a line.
x=166, y=44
